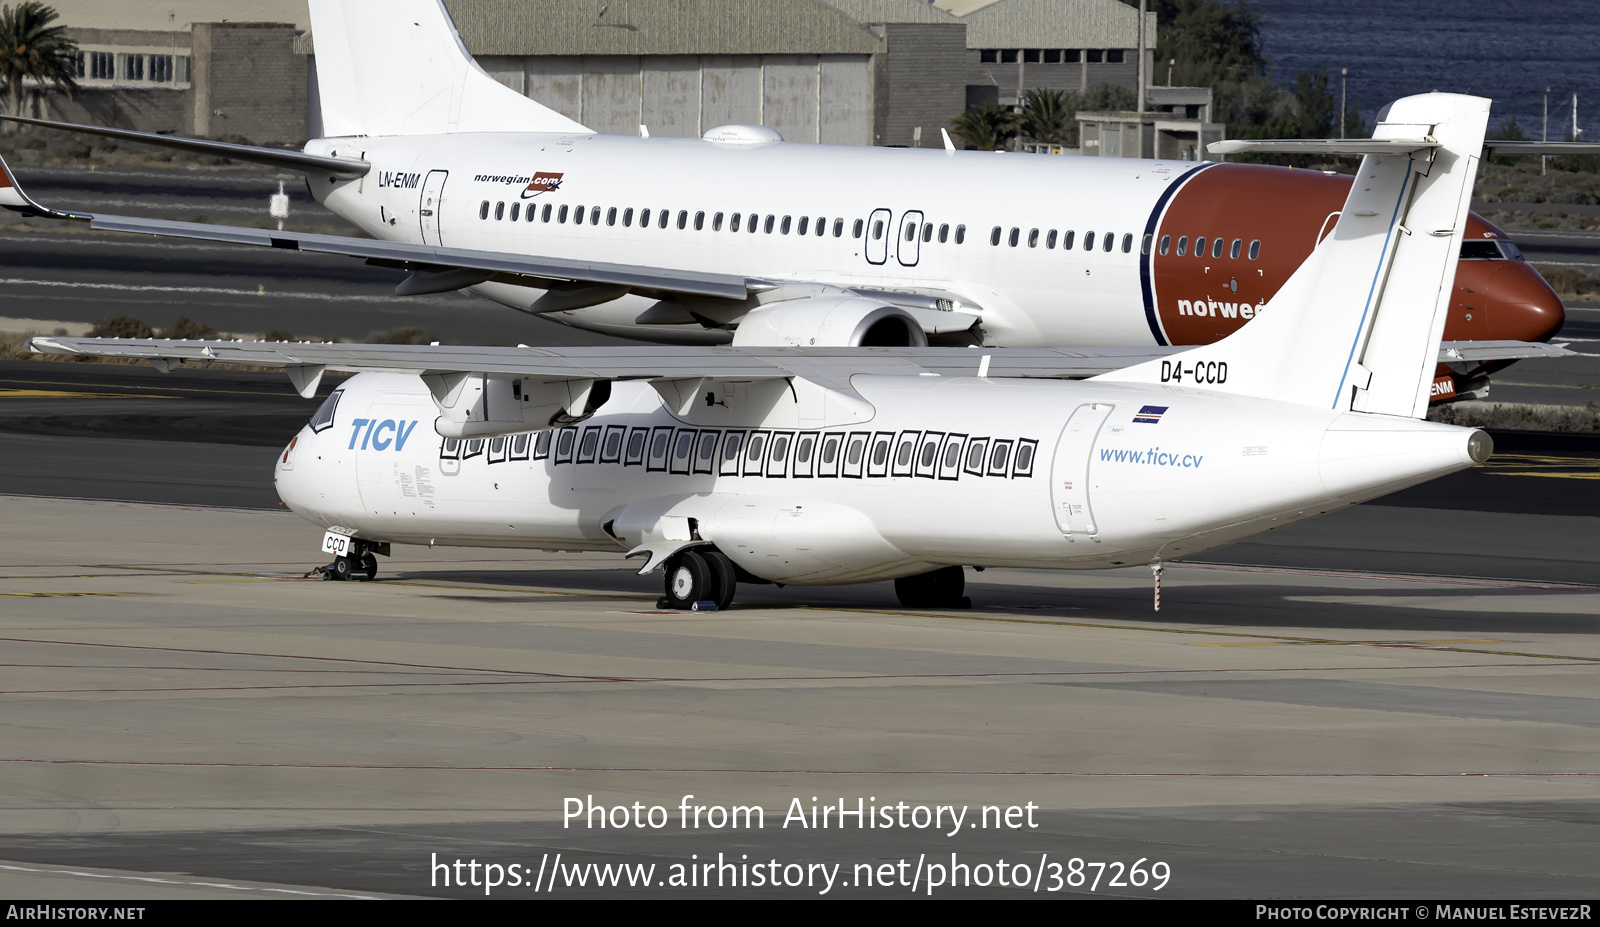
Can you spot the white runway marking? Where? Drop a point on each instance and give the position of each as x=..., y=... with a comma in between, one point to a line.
x=193, y=884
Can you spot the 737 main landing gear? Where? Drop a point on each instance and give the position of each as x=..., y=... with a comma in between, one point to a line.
x=699, y=574
x=941, y=588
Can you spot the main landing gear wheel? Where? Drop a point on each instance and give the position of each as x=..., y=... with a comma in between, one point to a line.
x=688, y=581
x=941, y=588
x=348, y=568
x=699, y=576
x=723, y=578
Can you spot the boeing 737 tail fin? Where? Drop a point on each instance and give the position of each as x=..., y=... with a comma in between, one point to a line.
x=1358, y=326
x=398, y=67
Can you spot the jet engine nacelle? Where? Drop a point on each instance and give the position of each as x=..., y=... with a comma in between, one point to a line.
x=485, y=406
x=831, y=321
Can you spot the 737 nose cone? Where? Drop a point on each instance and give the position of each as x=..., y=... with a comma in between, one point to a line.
x=1520, y=304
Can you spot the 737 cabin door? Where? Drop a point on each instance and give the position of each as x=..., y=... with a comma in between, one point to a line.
x=878, y=233
x=428, y=208
x=1069, y=470
x=909, y=240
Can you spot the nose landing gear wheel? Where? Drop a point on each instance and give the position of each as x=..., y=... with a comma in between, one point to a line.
x=340, y=569
x=940, y=588
x=369, y=565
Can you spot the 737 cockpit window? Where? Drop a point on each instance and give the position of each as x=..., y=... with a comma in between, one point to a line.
x=1489, y=249
x=322, y=419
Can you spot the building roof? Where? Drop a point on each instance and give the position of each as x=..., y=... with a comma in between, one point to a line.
x=177, y=15
x=892, y=11
x=657, y=27
x=1051, y=23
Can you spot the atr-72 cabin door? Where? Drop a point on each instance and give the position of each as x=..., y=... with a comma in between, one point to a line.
x=1069, y=471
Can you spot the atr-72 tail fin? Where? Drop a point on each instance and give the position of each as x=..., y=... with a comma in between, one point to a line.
x=1357, y=327
x=398, y=67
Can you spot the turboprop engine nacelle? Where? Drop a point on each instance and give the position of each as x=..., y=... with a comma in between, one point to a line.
x=831, y=321
x=486, y=406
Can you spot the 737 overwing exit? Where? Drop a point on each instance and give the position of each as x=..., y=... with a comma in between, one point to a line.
x=740, y=237
x=834, y=465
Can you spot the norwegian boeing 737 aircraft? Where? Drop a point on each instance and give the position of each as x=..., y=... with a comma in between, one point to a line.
x=740, y=237
x=845, y=465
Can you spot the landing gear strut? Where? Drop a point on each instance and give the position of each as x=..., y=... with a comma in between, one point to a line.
x=698, y=575
x=941, y=588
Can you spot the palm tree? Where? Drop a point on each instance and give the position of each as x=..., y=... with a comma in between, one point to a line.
x=1047, y=116
x=986, y=127
x=32, y=48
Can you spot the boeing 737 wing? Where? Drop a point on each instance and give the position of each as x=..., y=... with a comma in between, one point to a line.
x=281, y=158
x=433, y=267
x=431, y=262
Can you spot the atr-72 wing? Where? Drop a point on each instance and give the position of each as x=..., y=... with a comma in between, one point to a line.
x=489, y=391
x=829, y=367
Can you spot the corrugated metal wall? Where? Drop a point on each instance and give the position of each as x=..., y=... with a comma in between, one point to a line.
x=658, y=27
x=1055, y=24
x=808, y=98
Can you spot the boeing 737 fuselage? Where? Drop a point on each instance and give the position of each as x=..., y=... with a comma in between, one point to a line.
x=1041, y=250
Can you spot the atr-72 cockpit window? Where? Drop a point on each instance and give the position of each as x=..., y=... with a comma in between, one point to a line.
x=323, y=418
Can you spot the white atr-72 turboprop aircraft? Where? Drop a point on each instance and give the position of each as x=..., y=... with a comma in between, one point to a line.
x=738, y=236
x=847, y=465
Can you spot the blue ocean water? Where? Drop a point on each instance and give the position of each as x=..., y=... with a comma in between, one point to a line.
x=1507, y=51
